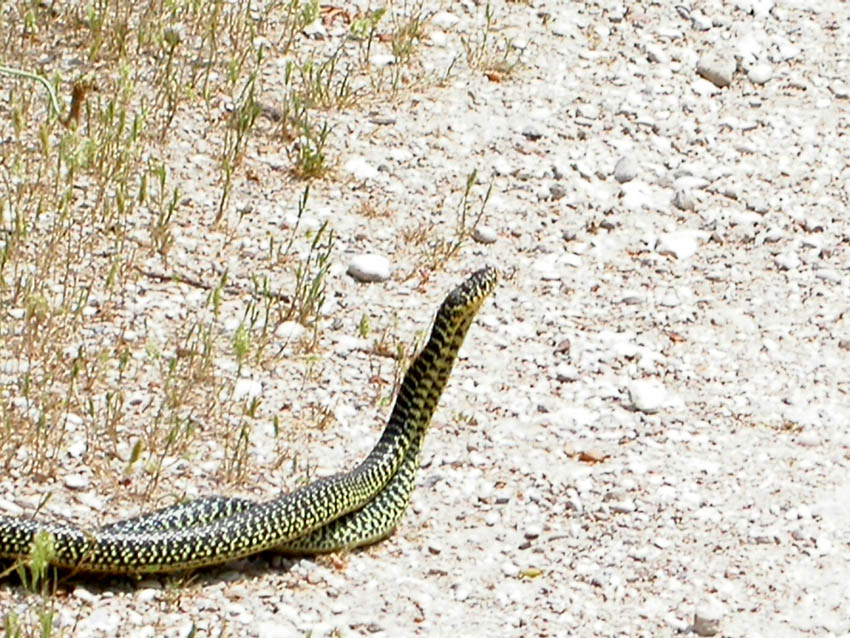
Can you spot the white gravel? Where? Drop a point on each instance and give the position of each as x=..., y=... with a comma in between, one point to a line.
x=370, y=268
x=706, y=373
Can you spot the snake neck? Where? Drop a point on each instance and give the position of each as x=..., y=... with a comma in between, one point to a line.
x=422, y=386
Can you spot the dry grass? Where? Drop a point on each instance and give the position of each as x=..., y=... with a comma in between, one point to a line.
x=119, y=357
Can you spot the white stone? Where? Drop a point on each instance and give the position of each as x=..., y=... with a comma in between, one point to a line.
x=626, y=506
x=519, y=42
x=717, y=69
x=762, y=8
x=788, y=51
x=748, y=49
x=684, y=199
x=647, y=395
x=484, y=234
x=657, y=54
x=828, y=274
x=547, y=269
x=533, y=530
x=840, y=89
x=670, y=300
x=76, y=481
x=444, y=20
x=565, y=373
x=700, y=21
x=290, y=331
x=563, y=28
x=760, y=73
x=501, y=166
x=369, y=267
x=808, y=438
x=707, y=617
x=316, y=30
x=704, y=88
x=626, y=169
x=510, y=569
x=380, y=60
x=360, y=169
x=570, y=259
x=787, y=261
x=681, y=244
x=78, y=447
x=690, y=182
x=83, y=594
x=588, y=111
x=246, y=389
x=637, y=194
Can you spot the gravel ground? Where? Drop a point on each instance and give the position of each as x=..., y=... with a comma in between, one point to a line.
x=648, y=432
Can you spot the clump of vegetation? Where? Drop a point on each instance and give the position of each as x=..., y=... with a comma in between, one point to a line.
x=138, y=286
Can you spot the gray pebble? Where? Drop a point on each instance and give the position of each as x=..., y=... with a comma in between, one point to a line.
x=556, y=192
x=369, y=268
x=76, y=482
x=690, y=182
x=840, y=89
x=81, y=593
x=760, y=73
x=616, y=13
x=462, y=592
x=626, y=169
x=707, y=617
x=700, y=21
x=444, y=20
x=588, y=111
x=533, y=531
x=290, y=331
x=828, y=274
x=626, y=506
x=360, y=169
x=657, y=54
x=380, y=60
x=813, y=225
x=681, y=244
x=147, y=594
x=484, y=234
x=632, y=298
x=717, y=69
x=670, y=300
x=247, y=388
x=788, y=261
x=532, y=133
x=562, y=28
x=808, y=438
x=510, y=570
x=501, y=166
x=758, y=204
x=684, y=200
x=647, y=396
x=566, y=373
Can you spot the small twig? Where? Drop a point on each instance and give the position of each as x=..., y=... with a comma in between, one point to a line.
x=197, y=283
x=54, y=103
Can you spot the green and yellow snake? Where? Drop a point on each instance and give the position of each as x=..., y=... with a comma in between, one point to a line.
x=342, y=511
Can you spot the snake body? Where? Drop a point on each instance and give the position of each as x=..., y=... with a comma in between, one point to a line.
x=341, y=511
x=372, y=522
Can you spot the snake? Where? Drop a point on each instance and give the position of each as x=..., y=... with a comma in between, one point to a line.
x=342, y=511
